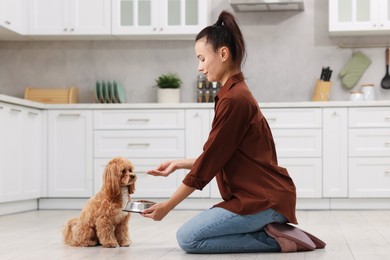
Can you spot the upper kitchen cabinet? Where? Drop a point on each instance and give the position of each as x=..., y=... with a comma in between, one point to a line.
x=13, y=18
x=359, y=17
x=70, y=17
x=159, y=18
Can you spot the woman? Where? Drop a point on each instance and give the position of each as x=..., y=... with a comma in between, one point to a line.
x=240, y=153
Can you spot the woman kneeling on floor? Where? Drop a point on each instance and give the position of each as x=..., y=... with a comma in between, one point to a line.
x=259, y=196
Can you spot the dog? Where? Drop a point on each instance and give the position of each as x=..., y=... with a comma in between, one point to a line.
x=102, y=221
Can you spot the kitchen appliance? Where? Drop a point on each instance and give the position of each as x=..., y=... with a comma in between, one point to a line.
x=267, y=5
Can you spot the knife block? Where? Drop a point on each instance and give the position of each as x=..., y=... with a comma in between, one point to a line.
x=321, y=91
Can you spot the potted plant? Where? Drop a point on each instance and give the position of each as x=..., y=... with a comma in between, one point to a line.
x=168, y=88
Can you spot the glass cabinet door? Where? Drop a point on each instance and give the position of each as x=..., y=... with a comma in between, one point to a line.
x=183, y=16
x=357, y=15
x=136, y=16
x=353, y=13
x=165, y=17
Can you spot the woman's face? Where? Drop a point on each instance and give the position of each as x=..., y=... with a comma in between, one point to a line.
x=211, y=63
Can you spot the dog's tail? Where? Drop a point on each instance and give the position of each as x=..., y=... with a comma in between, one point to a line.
x=67, y=231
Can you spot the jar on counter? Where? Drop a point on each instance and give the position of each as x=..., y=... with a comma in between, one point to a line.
x=356, y=96
x=368, y=92
x=201, y=82
x=200, y=96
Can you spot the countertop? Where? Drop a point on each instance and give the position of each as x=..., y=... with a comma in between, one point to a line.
x=309, y=104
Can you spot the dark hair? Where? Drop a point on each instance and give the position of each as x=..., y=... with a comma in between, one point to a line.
x=225, y=32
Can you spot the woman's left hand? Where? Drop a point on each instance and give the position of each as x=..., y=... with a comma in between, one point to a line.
x=157, y=212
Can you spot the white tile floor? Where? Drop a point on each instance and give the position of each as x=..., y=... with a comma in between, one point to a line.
x=359, y=235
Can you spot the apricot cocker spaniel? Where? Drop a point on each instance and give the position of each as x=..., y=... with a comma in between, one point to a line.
x=102, y=220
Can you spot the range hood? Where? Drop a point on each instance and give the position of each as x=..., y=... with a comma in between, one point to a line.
x=266, y=5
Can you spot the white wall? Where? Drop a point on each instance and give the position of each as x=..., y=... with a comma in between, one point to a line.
x=286, y=51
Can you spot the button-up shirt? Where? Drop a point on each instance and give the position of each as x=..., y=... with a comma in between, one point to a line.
x=240, y=153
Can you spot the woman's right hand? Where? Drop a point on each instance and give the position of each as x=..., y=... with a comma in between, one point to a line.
x=164, y=169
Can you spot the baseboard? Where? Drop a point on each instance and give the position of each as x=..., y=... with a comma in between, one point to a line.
x=18, y=206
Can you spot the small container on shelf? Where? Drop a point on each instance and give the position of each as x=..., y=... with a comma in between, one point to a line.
x=368, y=92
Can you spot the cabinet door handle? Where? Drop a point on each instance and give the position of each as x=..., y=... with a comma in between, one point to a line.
x=387, y=143
x=273, y=119
x=33, y=113
x=76, y=115
x=1, y=108
x=387, y=173
x=16, y=110
x=387, y=118
x=138, y=120
x=138, y=145
x=7, y=22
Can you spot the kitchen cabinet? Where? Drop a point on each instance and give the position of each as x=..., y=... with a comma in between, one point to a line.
x=198, y=126
x=13, y=15
x=70, y=158
x=32, y=151
x=335, y=152
x=159, y=17
x=70, y=17
x=147, y=137
x=359, y=17
x=20, y=153
x=369, y=152
x=298, y=140
x=11, y=152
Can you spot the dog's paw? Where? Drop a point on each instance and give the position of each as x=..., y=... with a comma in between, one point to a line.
x=110, y=245
x=125, y=243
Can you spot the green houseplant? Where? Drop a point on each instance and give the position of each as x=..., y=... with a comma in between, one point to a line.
x=168, y=88
x=169, y=80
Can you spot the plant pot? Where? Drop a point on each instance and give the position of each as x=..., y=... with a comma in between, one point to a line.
x=168, y=95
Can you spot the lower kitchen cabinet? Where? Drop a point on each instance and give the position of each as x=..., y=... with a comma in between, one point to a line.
x=306, y=174
x=335, y=153
x=369, y=177
x=146, y=137
x=198, y=125
x=298, y=141
x=369, y=152
x=20, y=153
x=70, y=155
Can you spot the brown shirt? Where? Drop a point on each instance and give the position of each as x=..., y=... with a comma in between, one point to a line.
x=240, y=153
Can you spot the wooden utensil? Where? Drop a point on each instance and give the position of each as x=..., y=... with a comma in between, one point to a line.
x=386, y=80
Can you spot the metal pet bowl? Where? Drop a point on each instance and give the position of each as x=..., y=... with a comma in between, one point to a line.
x=138, y=206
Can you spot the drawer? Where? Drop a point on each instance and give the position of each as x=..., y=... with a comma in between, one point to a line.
x=139, y=119
x=147, y=186
x=369, y=117
x=306, y=174
x=139, y=143
x=369, y=177
x=369, y=142
x=293, y=118
x=298, y=143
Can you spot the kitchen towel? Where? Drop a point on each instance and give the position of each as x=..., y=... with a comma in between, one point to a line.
x=354, y=69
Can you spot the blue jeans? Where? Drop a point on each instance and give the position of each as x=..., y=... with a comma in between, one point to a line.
x=217, y=230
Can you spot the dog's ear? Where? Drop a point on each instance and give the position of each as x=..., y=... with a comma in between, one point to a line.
x=132, y=188
x=111, y=179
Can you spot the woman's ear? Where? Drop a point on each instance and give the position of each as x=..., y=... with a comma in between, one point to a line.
x=224, y=53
